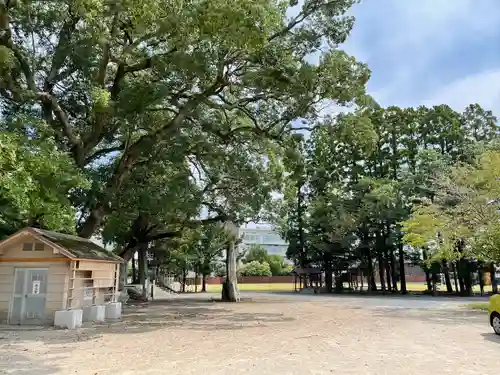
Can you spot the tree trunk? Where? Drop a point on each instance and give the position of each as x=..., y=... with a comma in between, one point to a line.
x=204, y=283
x=428, y=280
x=381, y=272
x=387, y=267
x=427, y=271
x=196, y=281
x=434, y=273
x=123, y=276
x=328, y=277
x=372, y=285
x=467, y=277
x=480, y=274
x=402, y=268
x=93, y=221
x=134, y=271
x=230, y=291
x=123, y=168
x=380, y=259
x=339, y=285
x=143, y=269
x=494, y=285
x=388, y=277
x=455, y=276
x=184, y=279
x=461, y=284
x=393, y=270
x=447, y=279
x=300, y=224
x=460, y=273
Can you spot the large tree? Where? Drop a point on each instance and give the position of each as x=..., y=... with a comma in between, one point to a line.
x=361, y=173
x=116, y=79
x=459, y=224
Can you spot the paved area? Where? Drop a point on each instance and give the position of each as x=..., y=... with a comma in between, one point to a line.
x=266, y=334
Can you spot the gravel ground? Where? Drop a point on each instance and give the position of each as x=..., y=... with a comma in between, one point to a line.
x=260, y=336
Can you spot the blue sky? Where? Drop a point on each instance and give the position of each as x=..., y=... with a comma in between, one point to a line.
x=430, y=51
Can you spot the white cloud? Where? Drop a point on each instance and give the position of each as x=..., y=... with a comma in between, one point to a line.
x=482, y=88
x=405, y=38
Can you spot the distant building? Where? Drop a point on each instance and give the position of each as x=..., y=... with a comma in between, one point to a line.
x=267, y=238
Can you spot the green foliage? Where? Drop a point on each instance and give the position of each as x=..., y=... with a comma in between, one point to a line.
x=278, y=266
x=255, y=268
x=463, y=219
x=35, y=181
x=217, y=82
x=351, y=187
x=199, y=249
x=139, y=115
x=213, y=240
x=257, y=253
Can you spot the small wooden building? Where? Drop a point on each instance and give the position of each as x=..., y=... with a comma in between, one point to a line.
x=42, y=272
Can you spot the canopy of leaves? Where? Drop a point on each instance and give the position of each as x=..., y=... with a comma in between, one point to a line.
x=255, y=268
x=258, y=253
x=35, y=182
x=463, y=218
x=121, y=81
x=359, y=175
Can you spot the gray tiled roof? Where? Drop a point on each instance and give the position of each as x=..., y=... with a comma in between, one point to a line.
x=306, y=271
x=78, y=247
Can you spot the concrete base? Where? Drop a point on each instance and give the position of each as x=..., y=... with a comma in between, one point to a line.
x=113, y=310
x=94, y=314
x=69, y=319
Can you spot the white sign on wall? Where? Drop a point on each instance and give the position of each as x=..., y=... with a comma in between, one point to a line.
x=36, y=287
x=88, y=293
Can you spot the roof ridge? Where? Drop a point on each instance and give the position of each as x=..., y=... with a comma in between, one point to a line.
x=59, y=234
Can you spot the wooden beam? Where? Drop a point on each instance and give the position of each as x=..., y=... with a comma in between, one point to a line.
x=53, y=259
x=33, y=260
x=72, y=278
x=98, y=260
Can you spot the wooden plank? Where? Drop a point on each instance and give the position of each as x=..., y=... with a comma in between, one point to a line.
x=69, y=303
x=117, y=280
x=53, y=260
x=96, y=265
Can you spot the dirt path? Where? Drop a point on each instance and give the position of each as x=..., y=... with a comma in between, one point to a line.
x=259, y=338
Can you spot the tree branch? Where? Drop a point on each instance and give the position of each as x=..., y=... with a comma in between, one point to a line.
x=299, y=18
x=60, y=54
x=102, y=152
x=6, y=41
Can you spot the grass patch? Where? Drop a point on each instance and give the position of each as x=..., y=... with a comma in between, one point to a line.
x=289, y=287
x=480, y=306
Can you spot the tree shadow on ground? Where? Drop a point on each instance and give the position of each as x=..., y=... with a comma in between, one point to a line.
x=179, y=313
x=490, y=336
x=435, y=316
x=373, y=295
x=13, y=361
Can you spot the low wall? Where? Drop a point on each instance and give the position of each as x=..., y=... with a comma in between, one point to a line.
x=281, y=280
x=289, y=279
x=255, y=280
x=415, y=279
